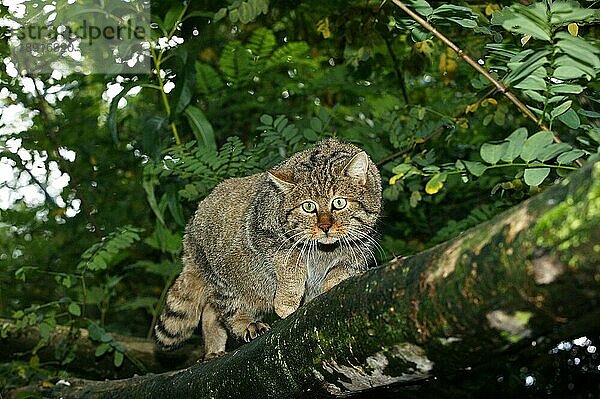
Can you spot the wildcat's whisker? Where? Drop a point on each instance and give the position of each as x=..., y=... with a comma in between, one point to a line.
x=302, y=256
x=360, y=248
x=291, y=250
x=371, y=240
x=292, y=237
x=349, y=246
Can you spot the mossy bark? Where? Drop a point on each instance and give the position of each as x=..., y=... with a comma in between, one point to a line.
x=496, y=287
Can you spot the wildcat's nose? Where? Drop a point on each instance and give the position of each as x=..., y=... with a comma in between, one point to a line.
x=324, y=222
x=325, y=227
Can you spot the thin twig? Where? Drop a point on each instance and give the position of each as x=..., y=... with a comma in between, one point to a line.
x=499, y=85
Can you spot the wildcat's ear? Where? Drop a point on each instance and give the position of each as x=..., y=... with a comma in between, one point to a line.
x=281, y=179
x=357, y=167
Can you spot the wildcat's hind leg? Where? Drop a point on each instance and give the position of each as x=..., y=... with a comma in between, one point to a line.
x=213, y=332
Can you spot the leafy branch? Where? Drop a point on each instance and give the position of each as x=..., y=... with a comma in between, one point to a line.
x=497, y=84
x=533, y=151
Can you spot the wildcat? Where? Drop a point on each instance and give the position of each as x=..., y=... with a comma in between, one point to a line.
x=272, y=241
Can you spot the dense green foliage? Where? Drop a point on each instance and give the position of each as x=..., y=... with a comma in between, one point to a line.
x=244, y=86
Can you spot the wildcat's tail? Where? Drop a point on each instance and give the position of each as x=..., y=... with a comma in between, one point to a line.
x=182, y=311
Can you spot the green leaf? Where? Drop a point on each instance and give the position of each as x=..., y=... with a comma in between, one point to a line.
x=235, y=61
x=111, y=120
x=570, y=156
x=74, y=309
x=561, y=109
x=475, y=168
x=266, y=120
x=101, y=254
x=148, y=185
x=415, y=197
x=208, y=80
x=535, y=144
x=246, y=12
x=564, y=12
x=44, y=330
x=118, y=359
x=491, y=153
x=262, y=42
x=402, y=169
x=234, y=15
x=527, y=63
x=532, y=82
x=436, y=183
x=172, y=15
x=95, y=331
x=588, y=113
x=467, y=23
x=310, y=135
x=106, y=337
x=515, y=144
x=185, y=81
x=578, y=49
x=219, y=15
x=201, y=127
x=535, y=176
x=526, y=20
x=553, y=150
x=565, y=88
x=102, y=348
x=535, y=96
x=422, y=7
x=570, y=119
x=566, y=72
x=174, y=204
x=316, y=125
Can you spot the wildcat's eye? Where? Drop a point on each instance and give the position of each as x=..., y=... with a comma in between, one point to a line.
x=339, y=203
x=309, y=206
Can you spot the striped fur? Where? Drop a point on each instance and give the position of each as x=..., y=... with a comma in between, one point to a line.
x=252, y=247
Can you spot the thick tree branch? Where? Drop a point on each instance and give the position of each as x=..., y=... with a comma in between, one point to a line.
x=495, y=288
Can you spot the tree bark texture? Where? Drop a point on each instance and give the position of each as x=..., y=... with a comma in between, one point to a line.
x=500, y=286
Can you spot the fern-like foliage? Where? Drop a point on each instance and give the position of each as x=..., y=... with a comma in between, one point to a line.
x=243, y=63
x=101, y=255
x=199, y=169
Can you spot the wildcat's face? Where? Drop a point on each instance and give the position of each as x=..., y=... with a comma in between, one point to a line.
x=331, y=195
x=328, y=214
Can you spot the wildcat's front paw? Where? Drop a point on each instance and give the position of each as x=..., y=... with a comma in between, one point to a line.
x=283, y=310
x=255, y=329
